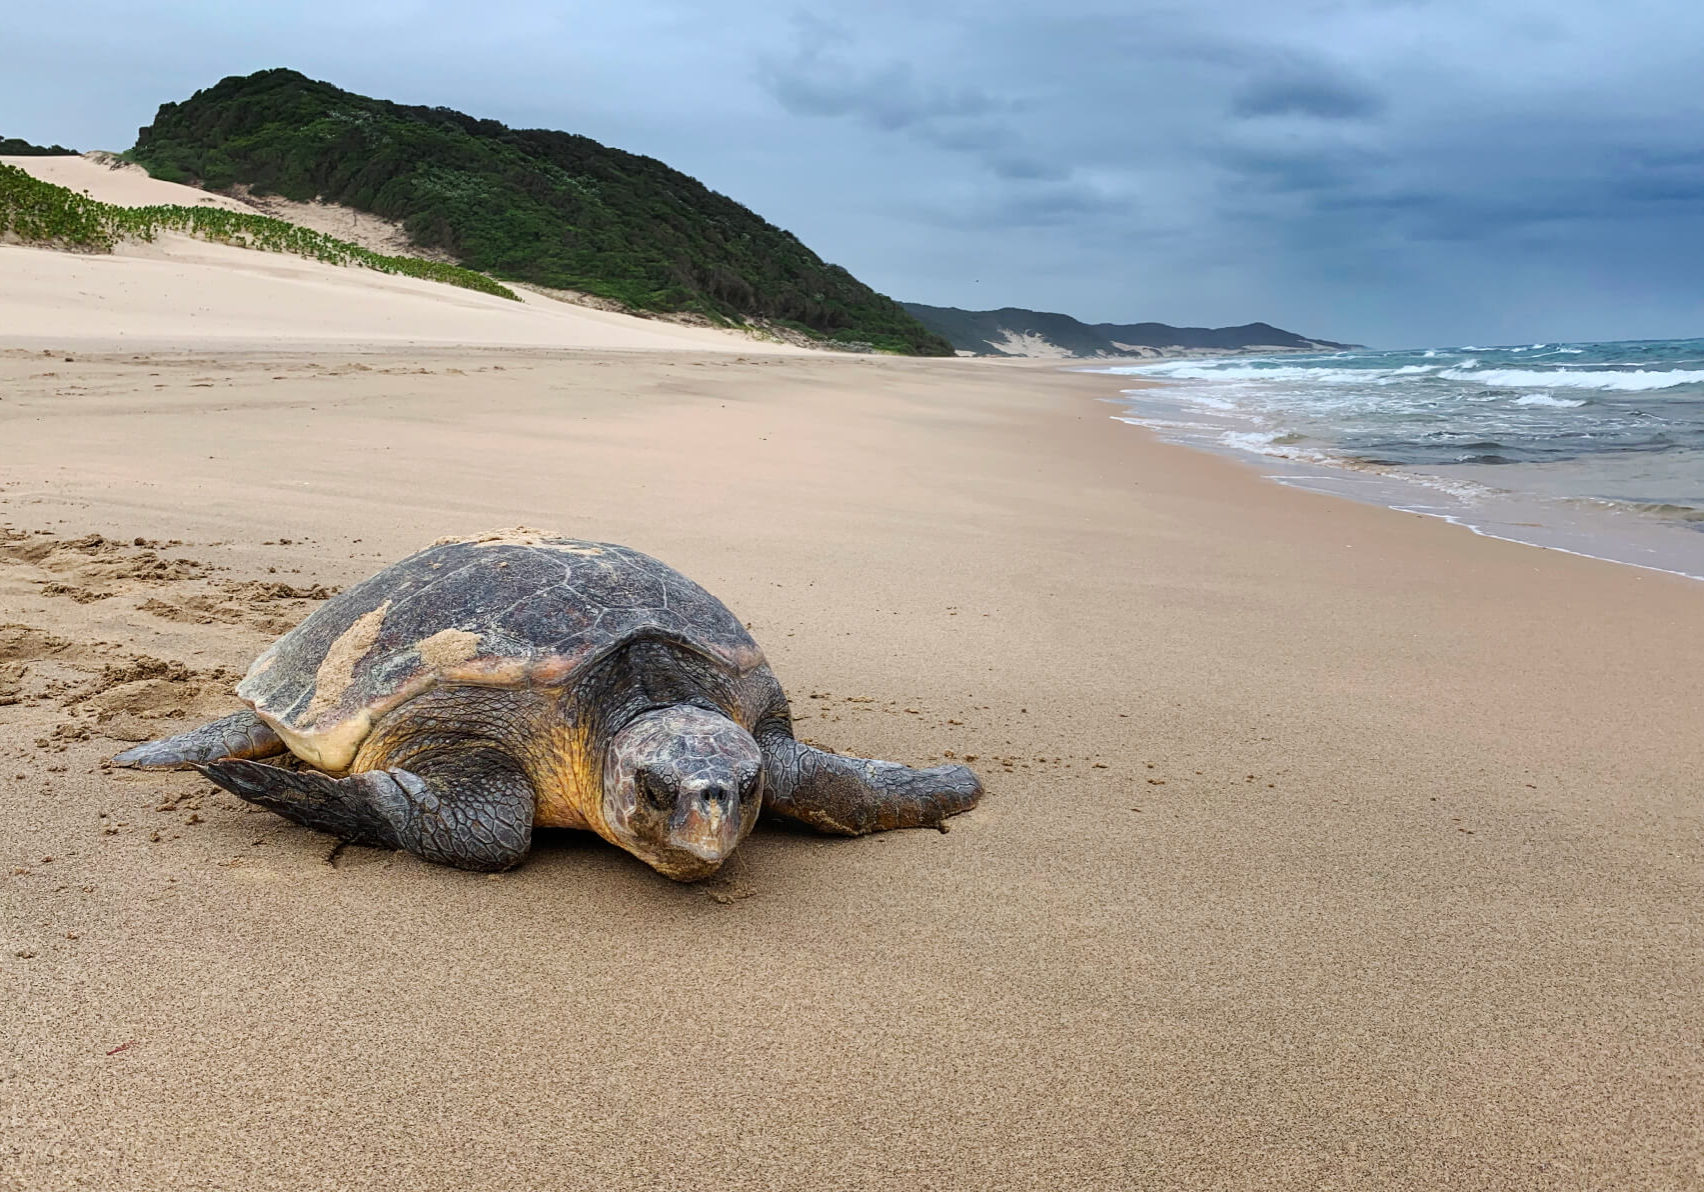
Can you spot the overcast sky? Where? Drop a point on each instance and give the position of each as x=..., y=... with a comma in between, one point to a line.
x=1394, y=172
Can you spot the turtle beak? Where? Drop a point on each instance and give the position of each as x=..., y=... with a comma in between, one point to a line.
x=707, y=823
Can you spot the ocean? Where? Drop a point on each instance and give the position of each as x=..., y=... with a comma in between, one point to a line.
x=1594, y=448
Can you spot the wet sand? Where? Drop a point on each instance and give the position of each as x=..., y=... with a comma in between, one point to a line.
x=1323, y=846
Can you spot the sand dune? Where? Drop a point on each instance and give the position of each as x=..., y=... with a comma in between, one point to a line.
x=179, y=290
x=108, y=179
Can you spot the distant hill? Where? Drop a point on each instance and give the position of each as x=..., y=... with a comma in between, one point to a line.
x=1011, y=331
x=13, y=147
x=532, y=205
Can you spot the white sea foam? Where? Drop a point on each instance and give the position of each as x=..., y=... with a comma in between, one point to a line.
x=1545, y=399
x=1636, y=381
x=1195, y=370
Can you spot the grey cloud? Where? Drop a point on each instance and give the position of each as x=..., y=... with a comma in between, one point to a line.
x=823, y=76
x=889, y=96
x=1018, y=167
x=1277, y=169
x=1053, y=206
x=1317, y=96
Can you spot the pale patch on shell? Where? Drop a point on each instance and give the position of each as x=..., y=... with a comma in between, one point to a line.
x=337, y=671
x=448, y=648
x=511, y=536
x=331, y=751
x=490, y=672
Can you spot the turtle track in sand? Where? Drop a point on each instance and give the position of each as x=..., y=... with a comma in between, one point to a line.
x=92, y=569
x=114, y=690
x=106, y=641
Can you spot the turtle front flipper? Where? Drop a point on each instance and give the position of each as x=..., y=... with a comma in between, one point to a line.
x=467, y=807
x=241, y=734
x=849, y=796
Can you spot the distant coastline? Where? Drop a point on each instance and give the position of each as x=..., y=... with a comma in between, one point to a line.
x=1047, y=335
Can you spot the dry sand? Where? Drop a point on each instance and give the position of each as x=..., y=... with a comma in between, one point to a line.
x=1325, y=846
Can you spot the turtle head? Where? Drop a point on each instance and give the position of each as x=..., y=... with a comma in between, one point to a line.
x=682, y=787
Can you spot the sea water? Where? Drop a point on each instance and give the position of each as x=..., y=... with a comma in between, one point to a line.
x=1595, y=448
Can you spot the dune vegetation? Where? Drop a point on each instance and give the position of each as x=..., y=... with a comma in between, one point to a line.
x=549, y=208
x=37, y=212
x=18, y=147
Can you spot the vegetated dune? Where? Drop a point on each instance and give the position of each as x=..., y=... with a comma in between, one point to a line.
x=181, y=290
x=112, y=180
x=547, y=208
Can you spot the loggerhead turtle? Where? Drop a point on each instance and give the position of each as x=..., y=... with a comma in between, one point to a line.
x=489, y=684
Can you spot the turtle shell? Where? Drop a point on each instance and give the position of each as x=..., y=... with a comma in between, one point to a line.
x=512, y=608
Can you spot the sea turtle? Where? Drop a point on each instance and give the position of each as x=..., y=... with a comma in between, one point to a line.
x=488, y=684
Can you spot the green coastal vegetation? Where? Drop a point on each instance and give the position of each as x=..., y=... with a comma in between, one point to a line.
x=550, y=208
x=37, y=212
x=14, y=147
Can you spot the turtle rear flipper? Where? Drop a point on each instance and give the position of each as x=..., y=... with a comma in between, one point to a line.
x=241, y=734
x=849, y=796
x=470, y=807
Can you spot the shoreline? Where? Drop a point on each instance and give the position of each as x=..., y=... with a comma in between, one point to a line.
x=1587, y=527
x=1323, y=844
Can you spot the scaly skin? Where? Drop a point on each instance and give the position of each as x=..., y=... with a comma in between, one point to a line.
x=470, y=807
x=241, y=734
x=850, y=796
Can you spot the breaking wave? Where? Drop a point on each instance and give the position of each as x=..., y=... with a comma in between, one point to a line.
x=1634, y=381
x=1545, y=399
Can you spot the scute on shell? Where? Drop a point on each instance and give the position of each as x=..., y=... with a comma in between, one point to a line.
x=510, y=608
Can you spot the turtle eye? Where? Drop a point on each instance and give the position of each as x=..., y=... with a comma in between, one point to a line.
x=655, y=792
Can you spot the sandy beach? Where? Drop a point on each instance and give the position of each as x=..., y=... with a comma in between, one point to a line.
x=1324, y=845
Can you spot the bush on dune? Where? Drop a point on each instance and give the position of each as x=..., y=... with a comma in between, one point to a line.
x=17, y=147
